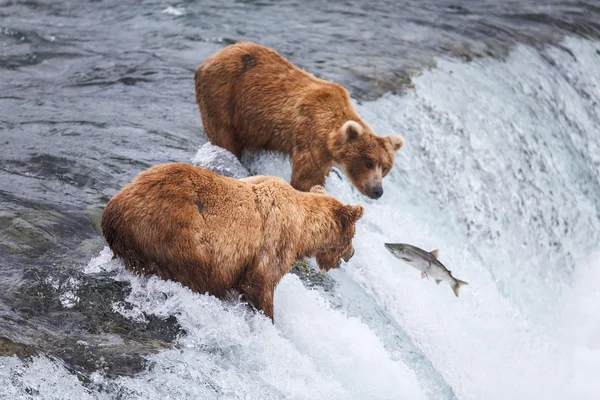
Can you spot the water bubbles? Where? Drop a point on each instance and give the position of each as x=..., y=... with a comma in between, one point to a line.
x=68, y=299
x=174, y=11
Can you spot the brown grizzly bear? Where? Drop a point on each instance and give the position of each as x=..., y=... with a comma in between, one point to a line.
x=252, y=98
x=213, y=233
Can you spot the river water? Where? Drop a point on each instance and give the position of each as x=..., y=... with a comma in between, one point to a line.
x=499, y=105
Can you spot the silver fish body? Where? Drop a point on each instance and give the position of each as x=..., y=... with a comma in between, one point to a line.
x=426, y=262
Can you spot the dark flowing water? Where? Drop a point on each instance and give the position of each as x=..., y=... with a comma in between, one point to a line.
x=93, y=92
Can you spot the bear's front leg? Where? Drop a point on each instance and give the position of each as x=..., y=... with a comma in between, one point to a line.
x=260, y=297
x=258, y=288
x=307, y=171
x=266, y=302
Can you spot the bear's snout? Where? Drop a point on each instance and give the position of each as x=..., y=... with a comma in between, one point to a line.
x=374, y=192
x=348, y=256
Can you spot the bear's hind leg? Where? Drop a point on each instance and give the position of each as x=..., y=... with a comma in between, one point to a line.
x=228, y=142
x=223, y=136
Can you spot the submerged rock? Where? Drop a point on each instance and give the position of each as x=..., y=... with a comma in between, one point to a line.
x=311, y=277
x=8, y=348
x=219, y=160
x=71, y=316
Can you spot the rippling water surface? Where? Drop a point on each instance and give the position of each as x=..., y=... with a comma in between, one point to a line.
x=498, y=102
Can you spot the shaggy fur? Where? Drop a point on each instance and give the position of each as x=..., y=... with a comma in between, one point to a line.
x=213, y=233
x=251, y=98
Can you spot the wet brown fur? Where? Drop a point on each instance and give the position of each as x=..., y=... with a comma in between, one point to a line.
x=251, y=98
x=213, y=233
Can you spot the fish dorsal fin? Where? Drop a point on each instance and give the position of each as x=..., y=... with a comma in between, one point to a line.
x=435, y=253
x=437, y=281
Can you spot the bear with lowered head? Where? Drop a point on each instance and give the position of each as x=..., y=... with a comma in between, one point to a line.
x=213, y=233
x=251, y=98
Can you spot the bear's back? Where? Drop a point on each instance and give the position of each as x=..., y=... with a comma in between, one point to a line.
x=172, y=217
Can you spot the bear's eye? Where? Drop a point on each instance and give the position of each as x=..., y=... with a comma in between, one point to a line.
x=369, y=164
x=384, y=169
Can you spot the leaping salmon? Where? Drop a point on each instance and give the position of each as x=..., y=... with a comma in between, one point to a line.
x=426, y=262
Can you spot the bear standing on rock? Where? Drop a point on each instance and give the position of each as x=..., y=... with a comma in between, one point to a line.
x=252, y=98
x=213, y=233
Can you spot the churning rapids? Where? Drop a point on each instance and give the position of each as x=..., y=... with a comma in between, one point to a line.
x=500, y=108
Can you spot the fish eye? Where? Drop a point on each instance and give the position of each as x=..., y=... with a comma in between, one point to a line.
x=369, y=164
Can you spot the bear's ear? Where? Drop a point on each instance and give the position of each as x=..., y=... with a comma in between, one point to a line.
x=318, y=189
x=351, y=130
x=397, y=141
x=356, y=212
x=351, y=213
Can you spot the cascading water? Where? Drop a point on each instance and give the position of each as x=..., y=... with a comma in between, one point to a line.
x=500, y=172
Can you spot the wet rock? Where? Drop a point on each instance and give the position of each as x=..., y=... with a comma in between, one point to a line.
x=70, y=316
x=9, y=348
x=310, y=276
x=220, y=161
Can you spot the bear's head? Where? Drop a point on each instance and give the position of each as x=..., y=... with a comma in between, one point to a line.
x=365, y=157
x=338, y=246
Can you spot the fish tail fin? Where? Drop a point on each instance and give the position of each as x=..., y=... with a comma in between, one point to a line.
x=457, y=286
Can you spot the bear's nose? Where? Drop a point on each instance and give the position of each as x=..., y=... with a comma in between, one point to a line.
x=376, y=192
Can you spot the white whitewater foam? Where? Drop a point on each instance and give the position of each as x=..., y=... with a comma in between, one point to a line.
x=312, y=352
x=581, y=332
x=40, y=378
